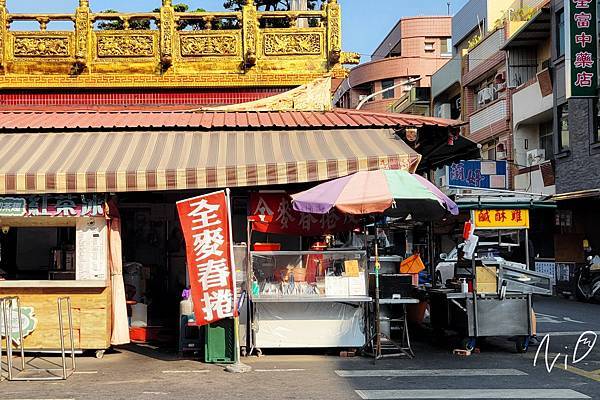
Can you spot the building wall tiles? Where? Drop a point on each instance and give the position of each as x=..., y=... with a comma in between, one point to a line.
x=580, y=169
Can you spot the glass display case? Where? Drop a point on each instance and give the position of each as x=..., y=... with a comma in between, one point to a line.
x=318, y=275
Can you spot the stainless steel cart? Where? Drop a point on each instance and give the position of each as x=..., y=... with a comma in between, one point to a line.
x=474, y=316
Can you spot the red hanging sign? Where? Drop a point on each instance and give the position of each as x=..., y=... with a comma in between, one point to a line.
x=285, y=220
x=205, y=224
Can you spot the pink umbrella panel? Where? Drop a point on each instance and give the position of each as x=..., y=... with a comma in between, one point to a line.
x=393, y=192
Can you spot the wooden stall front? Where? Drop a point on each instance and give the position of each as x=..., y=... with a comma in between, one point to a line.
x=52, y=248
x=90, y=309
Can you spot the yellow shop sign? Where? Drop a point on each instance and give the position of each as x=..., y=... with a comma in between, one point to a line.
x=501, y=219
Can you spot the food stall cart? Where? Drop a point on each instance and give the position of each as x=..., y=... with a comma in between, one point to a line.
x=474, y=315
x=303, y=298
x=393, y=193
x=58, y=247
x=493, y=299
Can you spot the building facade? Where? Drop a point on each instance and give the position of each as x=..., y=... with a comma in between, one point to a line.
x=413, y=50
x=104, y=59
x=477, y=86
x=470, y=24
x=511, y=81
x=529, y=80
x=576, y=135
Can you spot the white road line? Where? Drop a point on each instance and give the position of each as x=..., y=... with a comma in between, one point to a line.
x=429, y=372
x=577, y=333
x=194, y=371
x=85, y=372
x=553, y=319
x=158, y=393
x=280, y=370
x=475, y=393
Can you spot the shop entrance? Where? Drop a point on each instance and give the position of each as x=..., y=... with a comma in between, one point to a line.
x=153, y=269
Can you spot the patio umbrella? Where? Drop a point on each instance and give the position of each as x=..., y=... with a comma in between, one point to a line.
x=392, y=192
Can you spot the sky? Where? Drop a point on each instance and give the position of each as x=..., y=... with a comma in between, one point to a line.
x=365, y=23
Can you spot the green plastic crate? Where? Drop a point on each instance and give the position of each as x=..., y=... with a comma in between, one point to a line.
x=219, y=345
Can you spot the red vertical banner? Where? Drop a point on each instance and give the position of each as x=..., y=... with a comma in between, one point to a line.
x=205, y=221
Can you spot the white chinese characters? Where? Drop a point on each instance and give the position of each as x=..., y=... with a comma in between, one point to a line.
x=211, y=266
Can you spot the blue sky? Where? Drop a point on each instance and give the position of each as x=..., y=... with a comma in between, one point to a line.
x=365, y=22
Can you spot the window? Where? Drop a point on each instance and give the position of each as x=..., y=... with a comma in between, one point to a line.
x=429, y=46
x=446, y=46
x=547, y=140
x=563, y=121
x=388, y=84
x=560, y=33
x=38, y=253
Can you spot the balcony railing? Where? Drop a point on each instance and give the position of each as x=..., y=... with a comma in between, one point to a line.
x=529, y=103
x=166, y=42
x=489, y=46
x=488, y=116
x=446, y=76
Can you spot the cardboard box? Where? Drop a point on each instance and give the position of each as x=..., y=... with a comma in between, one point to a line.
x=487, y=279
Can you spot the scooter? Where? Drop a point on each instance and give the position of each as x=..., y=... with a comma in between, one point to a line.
x=587, y=278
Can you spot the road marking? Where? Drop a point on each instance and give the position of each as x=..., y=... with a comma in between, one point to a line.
x=564, y=333
x=429, y=372
x=280, y=370
x=158, y=393
x=553, y=319
x=194, y=371
x=471, y=394
x=85, y=372
x=129, y=381
x=578, y=371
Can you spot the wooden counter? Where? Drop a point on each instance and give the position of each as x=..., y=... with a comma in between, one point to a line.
x=53, y=284
x=91, y=305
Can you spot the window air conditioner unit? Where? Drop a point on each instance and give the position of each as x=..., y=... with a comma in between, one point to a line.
x=488, y=95
x=501, y=151
x=536, y=157
x=499, y=87
x=480, y=99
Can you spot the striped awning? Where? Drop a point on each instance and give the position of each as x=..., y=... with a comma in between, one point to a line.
x=88, y=162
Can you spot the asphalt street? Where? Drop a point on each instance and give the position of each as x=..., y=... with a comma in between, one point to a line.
x=497, y=372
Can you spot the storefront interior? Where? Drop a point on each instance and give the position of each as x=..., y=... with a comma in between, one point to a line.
x=32, y=249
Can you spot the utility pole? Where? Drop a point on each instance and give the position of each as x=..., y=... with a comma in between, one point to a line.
x=448, y=4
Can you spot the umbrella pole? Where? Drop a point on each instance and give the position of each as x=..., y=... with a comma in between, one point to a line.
x=377, y=325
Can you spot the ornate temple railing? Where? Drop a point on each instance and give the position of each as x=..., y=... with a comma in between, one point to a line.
x=168, y=43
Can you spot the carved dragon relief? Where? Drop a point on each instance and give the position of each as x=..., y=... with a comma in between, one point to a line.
x=125, y=46
x=292, y=44
x=41, y=46
x=198, y=45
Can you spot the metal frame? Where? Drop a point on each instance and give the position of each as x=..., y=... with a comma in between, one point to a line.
x=6, y=310
x=374, y=346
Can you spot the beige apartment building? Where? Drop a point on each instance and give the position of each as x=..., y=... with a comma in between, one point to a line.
x=413, y=50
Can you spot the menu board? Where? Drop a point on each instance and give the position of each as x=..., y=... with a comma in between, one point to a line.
x=91, y=249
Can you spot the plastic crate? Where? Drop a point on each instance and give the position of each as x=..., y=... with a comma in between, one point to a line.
x=219, y=345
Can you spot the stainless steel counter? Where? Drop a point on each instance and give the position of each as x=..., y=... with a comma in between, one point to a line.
x=311, y=299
